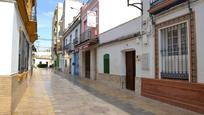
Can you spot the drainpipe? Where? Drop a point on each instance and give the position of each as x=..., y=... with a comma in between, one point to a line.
x=152, y=18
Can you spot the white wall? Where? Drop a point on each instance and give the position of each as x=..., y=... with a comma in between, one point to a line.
x=115, y=12
x=117, y=66
x=17, y=26
x=131, y=27
x=6, y=29
x=117, y=58
x=117, y=50
x=199, y=15
x=37, y=61
x=47, y=54
x=11, y=23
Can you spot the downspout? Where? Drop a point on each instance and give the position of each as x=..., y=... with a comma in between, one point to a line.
x=152, y=18
x=190, y=13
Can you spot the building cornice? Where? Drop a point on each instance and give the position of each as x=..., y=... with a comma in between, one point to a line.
x=72, y=27
x=122, y=38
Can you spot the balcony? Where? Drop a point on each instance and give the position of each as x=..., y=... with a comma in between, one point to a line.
x=33, y=16
x=76, y=41
x=28, y=14
x=88, y=35
x=69, y=48
x=157, y=6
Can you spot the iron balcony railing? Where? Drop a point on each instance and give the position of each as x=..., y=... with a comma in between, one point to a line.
x=155, y=2
x=88, y=34
x=34, y=14
x=76, y=41
x=68, y=48
x=157, y=6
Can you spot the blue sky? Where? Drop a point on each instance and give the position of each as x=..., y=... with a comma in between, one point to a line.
x=45, y=9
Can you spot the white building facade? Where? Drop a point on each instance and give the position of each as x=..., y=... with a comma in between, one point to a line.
x=18, y=32
x=168, y=53
x=131, y=38
x=42, y=57
x=57, y=36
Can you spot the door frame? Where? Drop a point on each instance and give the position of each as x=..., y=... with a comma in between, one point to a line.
x=134, y=69
x=89, y=76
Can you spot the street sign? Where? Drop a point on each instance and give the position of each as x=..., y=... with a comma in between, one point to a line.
x=91, y=18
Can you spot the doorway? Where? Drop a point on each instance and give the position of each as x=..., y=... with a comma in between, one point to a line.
x=70, y=66
x=130, y=70
x=87, y=64
x=76, y=63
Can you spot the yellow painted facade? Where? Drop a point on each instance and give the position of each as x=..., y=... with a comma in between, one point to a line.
x=26, y=8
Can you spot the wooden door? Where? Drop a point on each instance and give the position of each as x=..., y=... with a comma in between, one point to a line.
x=130, y=70
x=87, y=64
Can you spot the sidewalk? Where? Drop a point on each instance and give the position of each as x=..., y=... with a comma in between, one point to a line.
x=35, y=100
x=125, y=99
x=60, y=94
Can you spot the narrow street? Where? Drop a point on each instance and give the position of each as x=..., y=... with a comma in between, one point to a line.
x=49, y=94
x=101, y=57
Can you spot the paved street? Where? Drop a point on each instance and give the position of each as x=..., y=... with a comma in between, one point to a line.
x=49, y=94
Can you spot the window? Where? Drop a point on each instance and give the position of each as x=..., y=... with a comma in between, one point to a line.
x=65, y=42
x=76, y=33
x=174, y=52
x=85, y=25
x=106, y=63
x=76, y=37
x=70, y=39
x=23, y=53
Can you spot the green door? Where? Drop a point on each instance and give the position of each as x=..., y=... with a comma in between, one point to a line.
x=106, y=63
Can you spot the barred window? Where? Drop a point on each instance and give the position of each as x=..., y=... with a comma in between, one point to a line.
x=174, y=52
x=23, y=53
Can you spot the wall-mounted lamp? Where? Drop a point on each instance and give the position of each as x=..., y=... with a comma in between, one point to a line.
x=135, y=4
x=75, y=9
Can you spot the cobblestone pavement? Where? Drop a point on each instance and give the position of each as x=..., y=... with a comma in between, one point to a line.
x=50, y=93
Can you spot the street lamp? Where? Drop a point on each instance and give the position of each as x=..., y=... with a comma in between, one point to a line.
x=135, y=4
x=75, y=9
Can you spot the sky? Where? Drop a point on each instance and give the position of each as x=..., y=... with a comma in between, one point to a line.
x=45, y=9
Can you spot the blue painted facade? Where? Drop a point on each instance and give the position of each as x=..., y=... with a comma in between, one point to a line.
x=76, y=63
